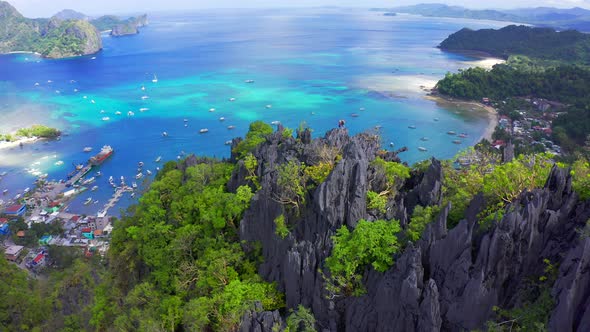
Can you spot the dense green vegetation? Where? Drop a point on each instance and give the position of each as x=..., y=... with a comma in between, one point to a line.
x=180, y=249
x=60, y=302
x=38, y=131
x=539, y=43
x=53, y=38
x=566, y=84
x=33, y=131
x=370, y=243
x=257, y=133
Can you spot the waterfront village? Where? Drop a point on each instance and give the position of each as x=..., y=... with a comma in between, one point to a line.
x=527, y=123
x=40, y=218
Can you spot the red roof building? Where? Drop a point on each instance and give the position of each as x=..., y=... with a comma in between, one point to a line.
x=16, y=210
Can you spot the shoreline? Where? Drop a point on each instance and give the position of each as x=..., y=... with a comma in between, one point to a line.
x=23, y=140
x=489, y=111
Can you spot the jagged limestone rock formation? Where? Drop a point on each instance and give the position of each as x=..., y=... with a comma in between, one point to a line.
x=449, y=280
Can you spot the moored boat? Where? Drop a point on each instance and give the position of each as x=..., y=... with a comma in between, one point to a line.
x=99, y=158
x=203, y=131
x=422, y=149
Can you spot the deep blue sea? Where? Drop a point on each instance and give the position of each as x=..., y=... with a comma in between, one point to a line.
x=316, y=66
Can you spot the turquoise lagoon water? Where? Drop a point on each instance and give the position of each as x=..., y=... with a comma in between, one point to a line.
x=316, y=66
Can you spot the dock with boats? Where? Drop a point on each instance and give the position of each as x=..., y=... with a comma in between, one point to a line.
x=114, y=200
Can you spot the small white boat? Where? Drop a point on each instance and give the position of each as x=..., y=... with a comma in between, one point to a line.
x=450, y=132
x=111, y=178
x=101, y=111
x=143, y=109
x=140, y=164
x=164, y=134
x=412, y=127
x=142, y=88
x=88, y=201
x=92, y=101
x=211, y=110
x=155, y=80
x=37, y=84
x=145, y=97
x=93, y=58
x=88, y=181
x=99, y=173
x=130, y=113
x=457, y=141
x=94, y=188
x=228, y=142
x=5, y=191
x=204, y=130
x=185, y=120
x=87, y=149
x=3, y=173
x=122, y=178
x=17, y=196
x=85, y=97
x=354, y=115
x=75, y=90
x=96, y=202
x=231, y=127
x=117, y=113
x=148, y=172
x=275, y=123
x=139, y=176
x=435, y=119
x=59, y=163
x=424, y=139
x=133, y=184
x=158, y=159
x=391, y=144
x=232, y=99
x=249, y=81
x=27, y=189
x=361, y=109
x=269, y=106
x=49, y=81
x=422, y=149
x=221, y=119
x=106, y=118
x=57, y=91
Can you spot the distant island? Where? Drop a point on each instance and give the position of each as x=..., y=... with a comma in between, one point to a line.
x=118, y=26
x=66, y=34
x=573, y=18
x=539, y=43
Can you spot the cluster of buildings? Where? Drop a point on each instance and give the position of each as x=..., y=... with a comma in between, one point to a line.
x=89, y=233
x=533, y=128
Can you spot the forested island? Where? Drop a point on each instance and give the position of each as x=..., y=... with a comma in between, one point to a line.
x=551, y=81
x=38, y=131
x=67, y=34
x=301, y=234
x=539, y=43
x=562, y=18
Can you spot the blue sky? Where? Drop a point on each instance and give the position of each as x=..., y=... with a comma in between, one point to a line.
x=44, y=8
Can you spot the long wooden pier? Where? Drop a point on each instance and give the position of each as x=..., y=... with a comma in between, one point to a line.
x=114, y=199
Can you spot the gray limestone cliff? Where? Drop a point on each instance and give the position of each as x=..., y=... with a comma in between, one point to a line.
x=449, y=280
